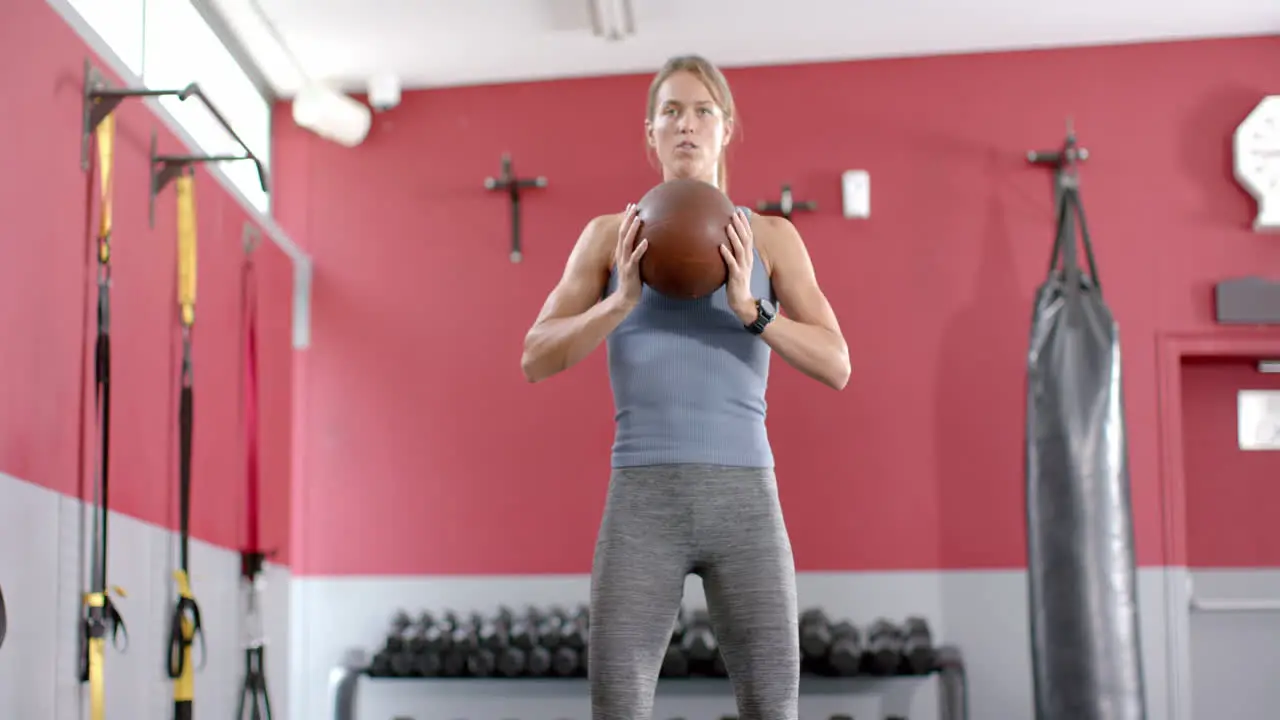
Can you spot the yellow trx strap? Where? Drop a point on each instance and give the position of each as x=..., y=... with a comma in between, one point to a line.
x=101, y=616
x=185, y=626
x=185, y=188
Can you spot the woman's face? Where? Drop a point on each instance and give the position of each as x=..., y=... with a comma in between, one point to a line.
x=688, y=130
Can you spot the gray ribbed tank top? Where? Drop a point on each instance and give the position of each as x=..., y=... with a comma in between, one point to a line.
x=689, y=381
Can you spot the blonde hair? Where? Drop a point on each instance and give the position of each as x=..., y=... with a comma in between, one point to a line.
x=717, y=85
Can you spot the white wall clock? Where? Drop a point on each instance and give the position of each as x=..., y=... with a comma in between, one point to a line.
x=1256, y=160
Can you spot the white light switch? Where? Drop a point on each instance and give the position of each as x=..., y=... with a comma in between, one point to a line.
x=857, y=193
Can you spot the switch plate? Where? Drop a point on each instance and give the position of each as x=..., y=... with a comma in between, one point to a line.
x=856, y=186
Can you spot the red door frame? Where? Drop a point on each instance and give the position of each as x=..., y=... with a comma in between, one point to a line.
x=1171, y=349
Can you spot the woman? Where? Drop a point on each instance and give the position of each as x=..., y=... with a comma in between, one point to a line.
x=692, y=488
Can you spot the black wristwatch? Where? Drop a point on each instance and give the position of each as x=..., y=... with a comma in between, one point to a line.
x=765, y=313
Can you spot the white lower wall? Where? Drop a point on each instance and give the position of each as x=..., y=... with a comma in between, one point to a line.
x=42, y=572
x=1235, y=649
x=985, y=613
x=314, y=622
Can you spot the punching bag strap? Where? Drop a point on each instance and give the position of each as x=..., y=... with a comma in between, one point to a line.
x=1085, y=239
x=1065, y=258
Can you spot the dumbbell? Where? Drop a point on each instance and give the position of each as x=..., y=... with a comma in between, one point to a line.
x=549, y=626
x=380, y=666
x=538, y=661
x=397, y=661
x=523, y=632
x=699, y=641
x=574, y=632
x=884, y=648
x=424, y=645
x=481, y=662
x=455, y=639
x=844, y=655
x=504, y=616
x=674, y=662
x=511, y=662
x=400, y=622
x=567, y=662
x=815, y=635
x=427, y=635
x=491, y=634
x=463, y=636
x=917, y=646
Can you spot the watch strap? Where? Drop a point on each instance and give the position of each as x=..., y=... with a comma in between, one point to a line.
x=762, y=320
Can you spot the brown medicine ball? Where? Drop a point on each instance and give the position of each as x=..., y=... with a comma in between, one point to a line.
x=685, y=223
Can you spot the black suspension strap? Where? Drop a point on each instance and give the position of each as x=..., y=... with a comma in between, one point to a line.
x=101, y=616
x=255, y=701
x=185, y=626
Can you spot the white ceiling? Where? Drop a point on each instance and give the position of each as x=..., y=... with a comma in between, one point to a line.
x=432, y=43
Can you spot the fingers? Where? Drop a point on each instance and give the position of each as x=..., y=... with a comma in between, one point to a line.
x=743, y=226
x=639, y=251
x=627, y=231
x=731, y=262
x=739, y=251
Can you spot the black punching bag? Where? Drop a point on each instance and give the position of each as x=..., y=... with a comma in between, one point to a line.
x=1085, y=646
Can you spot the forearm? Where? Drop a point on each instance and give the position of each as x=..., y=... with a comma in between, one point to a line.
x=557, y=344
x=815, y=351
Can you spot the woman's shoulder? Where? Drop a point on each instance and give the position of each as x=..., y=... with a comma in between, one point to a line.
x=768, y=232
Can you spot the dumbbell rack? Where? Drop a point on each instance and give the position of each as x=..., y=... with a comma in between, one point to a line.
x=346, y=679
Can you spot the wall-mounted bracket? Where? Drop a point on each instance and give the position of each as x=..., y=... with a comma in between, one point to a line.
x=512, y=185
x=787, y=205
x=100, y=100
x=1064, y=161
x=166, y=168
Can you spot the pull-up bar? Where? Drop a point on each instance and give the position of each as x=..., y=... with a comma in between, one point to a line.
x=100, y=100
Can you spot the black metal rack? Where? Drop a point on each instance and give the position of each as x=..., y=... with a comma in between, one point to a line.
x=949, y=668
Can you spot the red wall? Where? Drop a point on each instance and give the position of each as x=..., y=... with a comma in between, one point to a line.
x=426, y=452
x=1232, y=495
x=45, y=298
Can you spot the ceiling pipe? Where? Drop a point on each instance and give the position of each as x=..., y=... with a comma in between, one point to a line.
x=322, y=110
x=613, y=20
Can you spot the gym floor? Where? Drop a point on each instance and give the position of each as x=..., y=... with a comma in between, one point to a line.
x=405, y=463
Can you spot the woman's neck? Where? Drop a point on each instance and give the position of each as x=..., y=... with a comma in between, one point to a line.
x=709, y=178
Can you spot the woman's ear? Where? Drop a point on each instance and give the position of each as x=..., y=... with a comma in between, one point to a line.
x=649, y=139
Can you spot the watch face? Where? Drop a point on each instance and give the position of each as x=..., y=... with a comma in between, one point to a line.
x=768, y=308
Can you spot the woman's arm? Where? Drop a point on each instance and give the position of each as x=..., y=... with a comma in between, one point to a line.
x=808, y=337
x=574, y=320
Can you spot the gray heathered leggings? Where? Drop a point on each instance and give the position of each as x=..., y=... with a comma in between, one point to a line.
x=725, y=525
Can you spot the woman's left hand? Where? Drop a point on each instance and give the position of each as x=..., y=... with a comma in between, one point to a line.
x=739, y=259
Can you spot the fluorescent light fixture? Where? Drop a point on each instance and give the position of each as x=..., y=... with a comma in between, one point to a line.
x=331, y=115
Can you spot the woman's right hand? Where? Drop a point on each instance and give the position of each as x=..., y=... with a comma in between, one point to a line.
x=627, y=254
